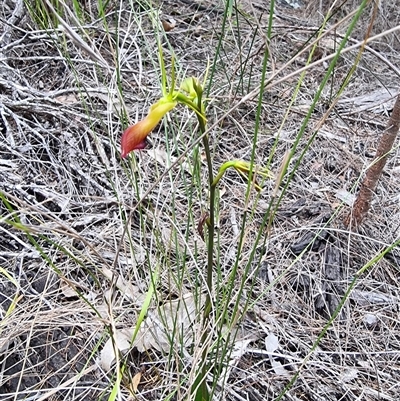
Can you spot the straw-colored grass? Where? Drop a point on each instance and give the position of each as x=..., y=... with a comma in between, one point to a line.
x=94, y=248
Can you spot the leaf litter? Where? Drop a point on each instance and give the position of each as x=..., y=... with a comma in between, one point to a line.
x=165, y=328
x=61, y=178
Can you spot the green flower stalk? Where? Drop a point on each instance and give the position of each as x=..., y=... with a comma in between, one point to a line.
x=190, y=94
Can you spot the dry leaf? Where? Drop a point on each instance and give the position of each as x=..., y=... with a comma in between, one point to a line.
x=345, y=196
x=136, y=381
x=168, y=24
x=68, y=290
x=349, y=374
x=176, y=317
x=278, y=368
x=127, y=288
x=379, y=101
x=272, y=344
x=122, y=339
x=67, y=99
x=240, y=348
x=161, y=156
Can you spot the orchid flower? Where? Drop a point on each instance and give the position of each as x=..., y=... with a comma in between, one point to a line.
x=246, y=170
x=189, y=94
x=135, y=136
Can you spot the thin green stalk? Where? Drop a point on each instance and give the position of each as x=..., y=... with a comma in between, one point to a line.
x=210, y=224
x=202, y=393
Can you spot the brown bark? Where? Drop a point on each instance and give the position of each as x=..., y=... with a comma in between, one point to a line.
x=363, y=201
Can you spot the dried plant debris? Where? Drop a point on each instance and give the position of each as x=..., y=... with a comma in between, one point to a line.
x=156, y=332
x=77, y=249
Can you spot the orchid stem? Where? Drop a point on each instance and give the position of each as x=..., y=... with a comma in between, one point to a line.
x=211, y=219
x=211, y=229
x=203, y=391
